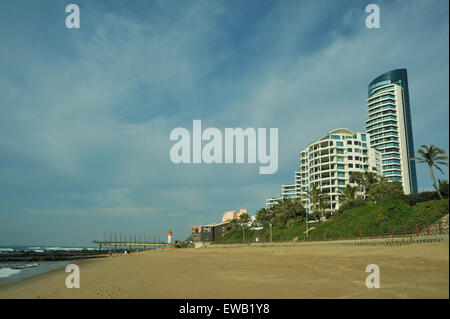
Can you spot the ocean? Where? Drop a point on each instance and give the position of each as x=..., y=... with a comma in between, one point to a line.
x=11, y=272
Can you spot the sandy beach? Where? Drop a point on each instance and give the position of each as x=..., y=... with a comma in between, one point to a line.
x=414, y=271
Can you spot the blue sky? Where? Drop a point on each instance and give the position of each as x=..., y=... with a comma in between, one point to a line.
x=86, y=113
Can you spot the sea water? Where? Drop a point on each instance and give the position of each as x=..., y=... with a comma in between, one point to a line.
x=16, y=271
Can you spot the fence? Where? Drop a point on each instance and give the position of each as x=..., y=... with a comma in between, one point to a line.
x=394, y=235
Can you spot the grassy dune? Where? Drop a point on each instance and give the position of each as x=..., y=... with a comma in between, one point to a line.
x=372, y=218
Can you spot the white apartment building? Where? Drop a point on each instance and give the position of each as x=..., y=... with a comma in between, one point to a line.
x=287, y=191
x=329, y=162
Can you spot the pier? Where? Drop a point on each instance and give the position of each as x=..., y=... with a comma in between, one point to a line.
x=117, y=241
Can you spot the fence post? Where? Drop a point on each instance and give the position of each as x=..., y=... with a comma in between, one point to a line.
x=393, y=232
x=382, y=233
x=360, y=234
x=371, y=234
x=404, y=231
x=351, y=235
x=417, y=230
x=324, y=236
x=440, y=227
x=340, y=237
x=428, y=230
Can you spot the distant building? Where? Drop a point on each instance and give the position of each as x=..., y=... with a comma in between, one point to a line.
x=208, y=233
x=230, y=215
x=287, y=191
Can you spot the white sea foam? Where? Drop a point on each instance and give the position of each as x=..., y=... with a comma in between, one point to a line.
x=25, y=266
x=6, y=272
x=3, y=250
x=67, y=248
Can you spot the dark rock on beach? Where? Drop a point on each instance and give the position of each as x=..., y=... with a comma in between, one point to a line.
x=56, y=255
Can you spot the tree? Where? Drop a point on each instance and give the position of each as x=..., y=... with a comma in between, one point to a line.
x=385, y=189
x=433, y=157
x=244, y=219
x=323, y=202
x=443, y=187
x=313, y=195
x=365, y=180
x=285, y=209
x=349, y=193
x=263, y=216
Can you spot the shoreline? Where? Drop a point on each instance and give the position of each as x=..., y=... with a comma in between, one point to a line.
x=413, y=271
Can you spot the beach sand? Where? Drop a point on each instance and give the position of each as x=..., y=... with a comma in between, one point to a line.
x=414, y=271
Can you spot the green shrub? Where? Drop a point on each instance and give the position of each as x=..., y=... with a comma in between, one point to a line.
x=428, y=212
x=351, y=204
x=383, y=217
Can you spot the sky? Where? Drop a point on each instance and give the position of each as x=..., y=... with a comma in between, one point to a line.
x=86, y=114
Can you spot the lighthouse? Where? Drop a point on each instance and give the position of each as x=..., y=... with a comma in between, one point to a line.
x=169, y=237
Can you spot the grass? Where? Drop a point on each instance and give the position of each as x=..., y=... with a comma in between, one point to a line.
x=382, y=218
x=372, y=219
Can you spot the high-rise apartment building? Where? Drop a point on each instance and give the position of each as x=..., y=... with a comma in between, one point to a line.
x=389, y=127
x=328, y=163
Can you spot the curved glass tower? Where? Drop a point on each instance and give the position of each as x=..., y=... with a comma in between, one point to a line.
x=389, y=127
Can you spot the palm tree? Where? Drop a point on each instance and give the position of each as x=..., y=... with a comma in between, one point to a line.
x=443, y=187
x=349, y=193
x=313, y=195
x=433, y=157
x=323, y=202
x=365, y=180
x=244, y=219
x=262, y=216
x=370, y=179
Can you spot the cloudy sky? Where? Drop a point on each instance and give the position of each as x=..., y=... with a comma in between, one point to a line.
x=86, y=113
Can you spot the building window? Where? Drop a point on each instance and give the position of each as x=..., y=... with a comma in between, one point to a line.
x=335, y=137
x=341, y=174
x=339, y=144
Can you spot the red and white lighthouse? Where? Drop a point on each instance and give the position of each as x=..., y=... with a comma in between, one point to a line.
x=169, y=237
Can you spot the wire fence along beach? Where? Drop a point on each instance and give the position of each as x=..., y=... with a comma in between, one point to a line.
x=390, y=236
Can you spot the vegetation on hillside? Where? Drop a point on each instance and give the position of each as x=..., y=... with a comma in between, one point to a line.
x=373, y=205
